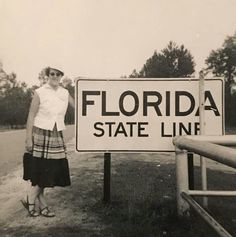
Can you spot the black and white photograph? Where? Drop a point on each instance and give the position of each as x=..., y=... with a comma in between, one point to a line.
x=117, y=118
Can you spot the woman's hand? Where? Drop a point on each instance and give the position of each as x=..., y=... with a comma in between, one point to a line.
x=29, y=145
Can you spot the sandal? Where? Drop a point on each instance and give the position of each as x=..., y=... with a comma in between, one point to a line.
x=46, y=212
x=26, y=204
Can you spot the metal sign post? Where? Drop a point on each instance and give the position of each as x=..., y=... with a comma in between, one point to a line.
x=202, y=132
x=107, y=178
x=190, y=171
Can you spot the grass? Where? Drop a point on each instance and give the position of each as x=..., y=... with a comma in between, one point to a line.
x=143, y=204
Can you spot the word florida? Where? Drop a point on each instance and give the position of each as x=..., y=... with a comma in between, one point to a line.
x=148, y=100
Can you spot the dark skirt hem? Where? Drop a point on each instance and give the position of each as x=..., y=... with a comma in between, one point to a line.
x=46, y=172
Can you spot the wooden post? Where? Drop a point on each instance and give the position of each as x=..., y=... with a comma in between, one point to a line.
x=107, y=178
x=202, y=132
x=182, y=181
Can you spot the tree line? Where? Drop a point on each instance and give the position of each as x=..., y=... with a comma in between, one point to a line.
x=172, y=62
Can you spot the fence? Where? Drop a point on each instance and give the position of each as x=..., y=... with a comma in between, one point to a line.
x=212, y=147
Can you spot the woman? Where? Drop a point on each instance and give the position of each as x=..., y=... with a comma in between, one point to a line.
x=48, y=165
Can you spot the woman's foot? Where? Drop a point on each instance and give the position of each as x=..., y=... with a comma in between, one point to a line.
x=46, y=212
x=30, y=207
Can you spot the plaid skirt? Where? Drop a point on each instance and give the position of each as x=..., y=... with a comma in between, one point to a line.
x=47, y=165
x=48, y=144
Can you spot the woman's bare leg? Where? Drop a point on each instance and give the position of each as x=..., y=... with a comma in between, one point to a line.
x=43, y=204
x=42, y=200
x=32, y=196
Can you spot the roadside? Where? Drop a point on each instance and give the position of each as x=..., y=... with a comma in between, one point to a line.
x=142, y=198
x=12, y=145
x=142, y=201
x=14, y=220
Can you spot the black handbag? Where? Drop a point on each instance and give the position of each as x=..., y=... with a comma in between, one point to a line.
x=27, y=161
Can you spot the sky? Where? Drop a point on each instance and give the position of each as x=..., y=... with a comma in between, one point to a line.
x=106, y=38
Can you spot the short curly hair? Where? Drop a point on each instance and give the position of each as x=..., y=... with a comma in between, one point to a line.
x=47, y=71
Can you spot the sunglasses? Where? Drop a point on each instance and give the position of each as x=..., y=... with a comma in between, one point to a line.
x=55, y=74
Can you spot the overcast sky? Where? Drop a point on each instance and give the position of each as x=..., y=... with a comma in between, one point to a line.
x=106, y=38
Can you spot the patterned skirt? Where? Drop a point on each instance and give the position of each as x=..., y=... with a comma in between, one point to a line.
x=47, y=165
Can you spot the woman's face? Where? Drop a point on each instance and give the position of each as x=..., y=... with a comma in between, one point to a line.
x=54, y=77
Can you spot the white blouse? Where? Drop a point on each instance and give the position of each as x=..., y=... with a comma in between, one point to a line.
x=52, y=107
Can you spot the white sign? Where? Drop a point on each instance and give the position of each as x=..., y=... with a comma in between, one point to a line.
x=143, y=115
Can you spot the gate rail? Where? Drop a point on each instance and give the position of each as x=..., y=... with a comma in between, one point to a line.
x=212, y=147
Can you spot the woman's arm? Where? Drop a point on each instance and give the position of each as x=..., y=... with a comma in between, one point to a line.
x=30, y=121
x=71, y=101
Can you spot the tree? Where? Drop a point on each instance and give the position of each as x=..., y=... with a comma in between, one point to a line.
x=68, y=84
x=134, y=74
x=15, y=99
x=222, y=62
x=172, y=61
x=14, y=103
x=43, y=78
